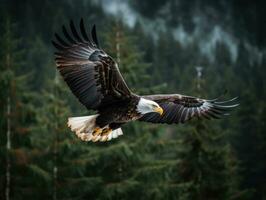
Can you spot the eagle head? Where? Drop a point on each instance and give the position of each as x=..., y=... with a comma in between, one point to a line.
x=146, y=106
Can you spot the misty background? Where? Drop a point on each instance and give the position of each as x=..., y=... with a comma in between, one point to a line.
x=162, y=47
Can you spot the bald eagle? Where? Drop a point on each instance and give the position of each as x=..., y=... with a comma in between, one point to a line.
x=94, y=78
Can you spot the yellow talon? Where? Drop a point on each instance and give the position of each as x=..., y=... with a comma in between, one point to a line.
x=106, y=131
x=97, y=131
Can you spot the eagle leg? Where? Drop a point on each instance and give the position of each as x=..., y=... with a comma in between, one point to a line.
x=97, y=131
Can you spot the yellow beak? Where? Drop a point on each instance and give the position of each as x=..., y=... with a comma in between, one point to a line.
x=158, y=110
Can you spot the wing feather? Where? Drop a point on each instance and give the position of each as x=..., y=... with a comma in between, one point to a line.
x=59, y=39
x=94, y=36
x=91, y=74
x=83, y=31
x=68, y=37
x=179, y=108
x=74, y=32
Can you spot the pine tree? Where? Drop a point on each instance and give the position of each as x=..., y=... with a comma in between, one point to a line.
x=17, y=116
x=48, y=134
x=207, y=167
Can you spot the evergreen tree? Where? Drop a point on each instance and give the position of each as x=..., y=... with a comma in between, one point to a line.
x=17, y=115
x=208, y=165
x=50, y=137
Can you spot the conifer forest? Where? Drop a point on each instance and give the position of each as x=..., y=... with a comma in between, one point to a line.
x=198, y=48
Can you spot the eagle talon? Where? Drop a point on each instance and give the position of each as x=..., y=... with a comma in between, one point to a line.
x=106, y=131
x=97, y=131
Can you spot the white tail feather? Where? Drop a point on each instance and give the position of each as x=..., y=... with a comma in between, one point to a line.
x=84, y=126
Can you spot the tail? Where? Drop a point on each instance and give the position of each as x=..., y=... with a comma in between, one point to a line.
x=84, y=127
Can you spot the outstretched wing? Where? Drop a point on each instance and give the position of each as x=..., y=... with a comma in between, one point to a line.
x=91, y=74
x=179, y=109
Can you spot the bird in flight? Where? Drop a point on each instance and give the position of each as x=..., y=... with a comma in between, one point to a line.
x=94, y=78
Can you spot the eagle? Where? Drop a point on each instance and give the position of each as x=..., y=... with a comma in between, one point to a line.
x=94, y=78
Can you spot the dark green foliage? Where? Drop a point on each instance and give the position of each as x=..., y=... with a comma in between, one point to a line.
x=17, y=114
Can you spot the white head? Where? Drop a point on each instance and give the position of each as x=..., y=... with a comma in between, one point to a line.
x=146, y=106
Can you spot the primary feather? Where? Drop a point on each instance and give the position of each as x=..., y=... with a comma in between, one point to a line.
x=91, y=74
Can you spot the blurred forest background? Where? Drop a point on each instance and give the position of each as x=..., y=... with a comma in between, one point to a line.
x=159, y=45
